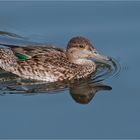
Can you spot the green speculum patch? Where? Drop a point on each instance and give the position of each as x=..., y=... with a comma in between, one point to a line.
x=21, y=56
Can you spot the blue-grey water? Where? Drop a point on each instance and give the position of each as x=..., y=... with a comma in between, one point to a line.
x=114, y=27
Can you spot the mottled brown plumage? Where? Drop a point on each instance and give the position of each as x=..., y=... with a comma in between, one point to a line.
x=51, y=64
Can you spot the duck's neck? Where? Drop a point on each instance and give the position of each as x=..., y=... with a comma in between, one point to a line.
x=85, y=67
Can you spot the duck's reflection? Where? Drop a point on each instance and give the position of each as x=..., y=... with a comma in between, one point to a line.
x=81, y=91
x=84, y=93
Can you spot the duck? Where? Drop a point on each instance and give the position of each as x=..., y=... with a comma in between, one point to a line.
x=50, y=64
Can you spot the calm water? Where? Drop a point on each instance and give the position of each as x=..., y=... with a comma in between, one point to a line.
x=114, y=27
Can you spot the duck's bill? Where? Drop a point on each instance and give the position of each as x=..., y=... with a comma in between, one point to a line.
x=100, y=57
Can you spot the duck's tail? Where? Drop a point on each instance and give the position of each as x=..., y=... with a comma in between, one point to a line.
x=8, y=61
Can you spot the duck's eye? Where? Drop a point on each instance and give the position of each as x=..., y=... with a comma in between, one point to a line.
x=81, y=46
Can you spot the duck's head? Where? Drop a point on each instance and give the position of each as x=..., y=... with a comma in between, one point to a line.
x=81, y=49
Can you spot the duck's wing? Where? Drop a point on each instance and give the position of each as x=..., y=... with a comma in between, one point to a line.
x=38, y=51
x=28, y=51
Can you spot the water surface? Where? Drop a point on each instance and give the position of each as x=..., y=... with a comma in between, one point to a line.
x=114, y=27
